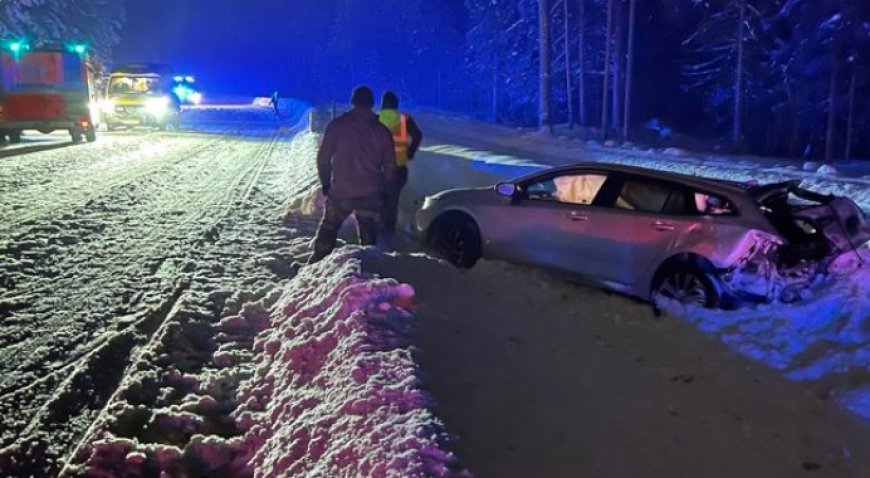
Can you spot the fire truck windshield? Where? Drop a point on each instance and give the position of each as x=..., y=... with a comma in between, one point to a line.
x=133, y=85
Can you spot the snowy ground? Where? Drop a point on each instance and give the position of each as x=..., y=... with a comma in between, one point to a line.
x=150, y=322
x=820, y=344
x=105, y=245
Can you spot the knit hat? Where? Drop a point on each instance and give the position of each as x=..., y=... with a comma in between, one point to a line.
x=363, y=97
x=390, y=101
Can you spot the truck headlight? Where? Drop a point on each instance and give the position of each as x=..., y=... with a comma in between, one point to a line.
x=157, y=107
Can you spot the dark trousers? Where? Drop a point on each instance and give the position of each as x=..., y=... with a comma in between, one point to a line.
x=390, y=212
x=366, y=210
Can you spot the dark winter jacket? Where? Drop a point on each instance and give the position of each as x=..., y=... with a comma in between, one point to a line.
x=357, y=156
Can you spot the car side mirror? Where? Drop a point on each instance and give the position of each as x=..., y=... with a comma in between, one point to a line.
x=508, y=190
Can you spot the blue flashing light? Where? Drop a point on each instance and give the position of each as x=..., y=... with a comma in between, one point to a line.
x=182, y=92
x=15, y=47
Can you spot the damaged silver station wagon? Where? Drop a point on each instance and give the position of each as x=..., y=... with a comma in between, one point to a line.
x=647, y=233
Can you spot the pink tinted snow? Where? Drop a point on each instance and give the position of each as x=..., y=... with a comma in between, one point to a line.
x=335, y=391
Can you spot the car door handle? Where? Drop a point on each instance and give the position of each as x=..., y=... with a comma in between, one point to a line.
x=662, y=226
x=578, y=216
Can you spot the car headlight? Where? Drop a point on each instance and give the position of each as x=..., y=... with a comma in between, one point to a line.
x=157, y=106
x=429, y=201
x=107, y=106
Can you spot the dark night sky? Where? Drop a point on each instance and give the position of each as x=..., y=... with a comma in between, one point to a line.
x=233, y=46
x=253, y=47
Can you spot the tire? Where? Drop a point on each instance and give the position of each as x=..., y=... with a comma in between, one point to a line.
x=91, y=134
x=76, y=136
x=14, y=137
x=688, y=285
x=457, y=240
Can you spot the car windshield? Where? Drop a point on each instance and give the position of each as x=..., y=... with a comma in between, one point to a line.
x=133, y=85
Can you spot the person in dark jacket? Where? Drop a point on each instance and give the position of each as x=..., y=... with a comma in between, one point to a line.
x=356, y=162
x=407, y=138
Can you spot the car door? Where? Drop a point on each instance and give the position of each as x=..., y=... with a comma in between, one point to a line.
x=636, y=226
x=543, y=223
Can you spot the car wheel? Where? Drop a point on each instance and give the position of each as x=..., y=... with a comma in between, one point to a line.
x=688, y=286
x=91, y=134
x=457, y=240
x=14, y=137
x=76, y=136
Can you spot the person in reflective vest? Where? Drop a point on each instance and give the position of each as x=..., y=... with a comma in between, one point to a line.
x=407, y=138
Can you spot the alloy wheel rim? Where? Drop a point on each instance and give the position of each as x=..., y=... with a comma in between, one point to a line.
x=455, y=245
x=685, y=288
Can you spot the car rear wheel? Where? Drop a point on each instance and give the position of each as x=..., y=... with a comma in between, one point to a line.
x=688, y=286
x=91, y=134
x=76, y=135
x=457, y=240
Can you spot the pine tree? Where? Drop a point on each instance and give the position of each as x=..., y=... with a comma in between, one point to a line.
x=97, y=22
x=726, y=45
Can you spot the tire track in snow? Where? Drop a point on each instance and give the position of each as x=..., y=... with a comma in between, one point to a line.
x=227, y=182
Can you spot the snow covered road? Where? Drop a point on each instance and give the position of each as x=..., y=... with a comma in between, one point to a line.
x=100, y=244
x=150, y=321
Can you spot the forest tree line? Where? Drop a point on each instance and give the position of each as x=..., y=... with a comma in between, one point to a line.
x=776, y=77
x=95, y=22
x=788, y=77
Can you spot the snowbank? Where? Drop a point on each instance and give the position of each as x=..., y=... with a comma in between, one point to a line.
x=317, y=379
x=824, y=340
x=336, y=391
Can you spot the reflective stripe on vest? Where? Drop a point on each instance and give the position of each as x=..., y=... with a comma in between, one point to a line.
x=398, y=125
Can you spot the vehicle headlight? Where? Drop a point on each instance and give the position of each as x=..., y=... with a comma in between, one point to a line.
x=107, y=106
x=157, y=106
x=429, y=201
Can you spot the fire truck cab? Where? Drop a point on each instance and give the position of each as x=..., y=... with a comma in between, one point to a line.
x=46, y=89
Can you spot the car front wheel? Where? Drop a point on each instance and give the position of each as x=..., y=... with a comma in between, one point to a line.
x=688, y=286
x=457, y=240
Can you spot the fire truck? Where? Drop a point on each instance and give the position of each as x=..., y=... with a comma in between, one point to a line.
x=46, y=89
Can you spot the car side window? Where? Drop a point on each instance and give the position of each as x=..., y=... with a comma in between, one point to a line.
x=652, y=197
x=713, y=205
x=568, y=189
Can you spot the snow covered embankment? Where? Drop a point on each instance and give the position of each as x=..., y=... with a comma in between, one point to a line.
x=317, y=379
x=824, y=341
x=336, y=392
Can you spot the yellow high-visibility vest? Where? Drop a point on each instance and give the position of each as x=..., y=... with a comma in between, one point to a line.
x=398, y=125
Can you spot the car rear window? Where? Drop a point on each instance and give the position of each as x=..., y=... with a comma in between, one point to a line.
x=651, y=197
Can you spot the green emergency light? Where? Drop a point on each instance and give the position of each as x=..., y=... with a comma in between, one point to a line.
x=17, y=47
x=79, y=48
